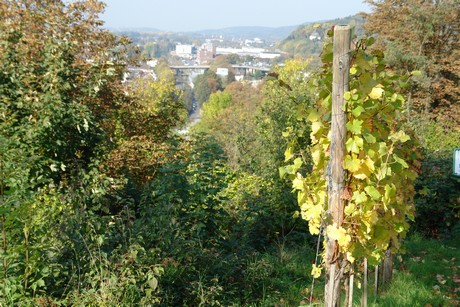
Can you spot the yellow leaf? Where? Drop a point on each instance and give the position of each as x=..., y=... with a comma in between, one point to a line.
x=313, y=116
x=288, y=154
x=316, y=155
x=339, y=234
x=350, y=257
x=297, y=183
x=315, y=127
x=350, y=208
x=316, y=271
x=347, y=96
x=370, y=164
x=359, y=197
x=352, y=163
x=376, y=92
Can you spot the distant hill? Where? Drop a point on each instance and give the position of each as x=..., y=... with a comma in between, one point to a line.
x=135, y=30
x=308, y=39
x=269, y=34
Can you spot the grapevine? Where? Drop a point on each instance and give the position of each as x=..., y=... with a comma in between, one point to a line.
x=381, y=160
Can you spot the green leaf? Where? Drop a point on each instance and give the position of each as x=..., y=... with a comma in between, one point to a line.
x=288, y=154
x=358, y=110
x=390, y=191
x=370, y=139
x=370, y=41
x=373, y=192
x=359, y=197
x=354, y=144
x=355, y=126
x=313, y=116
x=400, y=161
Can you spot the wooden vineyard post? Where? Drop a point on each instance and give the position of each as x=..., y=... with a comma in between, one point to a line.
x=336, y=176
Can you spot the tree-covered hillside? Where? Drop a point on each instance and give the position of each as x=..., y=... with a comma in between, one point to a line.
x=307, y=40
x=104, y=201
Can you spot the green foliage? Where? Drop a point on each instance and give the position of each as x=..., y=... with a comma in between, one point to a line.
x=160, y=48
x=423, y=36
x=437, y=201
x=205, y=85
x=103, y=203
x=217, y=102
x=307, y=40
x=164, y=72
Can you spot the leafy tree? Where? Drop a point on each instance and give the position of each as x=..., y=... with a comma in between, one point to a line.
x=164, y=72
x=205, y=85
x=61, y=102
x=224, y=61
x=144, y=129
x=423, y=35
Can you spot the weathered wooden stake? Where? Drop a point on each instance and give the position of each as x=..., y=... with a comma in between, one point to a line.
x=387, y=268
x=364, y=297
x=340, y=80
x=352, y=277
x=376, y=280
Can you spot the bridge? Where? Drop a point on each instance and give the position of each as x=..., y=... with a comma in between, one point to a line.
x=186, y=74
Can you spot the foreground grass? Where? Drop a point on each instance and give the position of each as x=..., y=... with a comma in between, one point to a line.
x=428, y=274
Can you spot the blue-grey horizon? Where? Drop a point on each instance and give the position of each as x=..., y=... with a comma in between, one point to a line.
x=182, y=16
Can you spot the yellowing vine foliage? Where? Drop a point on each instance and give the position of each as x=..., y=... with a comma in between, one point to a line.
x=381, y=160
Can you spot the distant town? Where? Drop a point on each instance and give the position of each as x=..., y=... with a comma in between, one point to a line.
x=242, y=53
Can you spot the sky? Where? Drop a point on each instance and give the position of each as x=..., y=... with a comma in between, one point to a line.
x=194, y=15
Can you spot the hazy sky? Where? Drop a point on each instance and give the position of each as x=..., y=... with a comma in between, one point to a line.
x=191, y=15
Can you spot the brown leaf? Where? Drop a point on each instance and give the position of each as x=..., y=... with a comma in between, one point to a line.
x=346, y=193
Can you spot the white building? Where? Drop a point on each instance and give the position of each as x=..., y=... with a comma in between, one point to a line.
x=184, y=51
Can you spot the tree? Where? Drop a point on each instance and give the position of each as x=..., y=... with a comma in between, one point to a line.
x=144, y=128
x=224, y=61
x=164, y=72
x=423, y=35
x=56, y=86
x=60, y=88
x=205, y=85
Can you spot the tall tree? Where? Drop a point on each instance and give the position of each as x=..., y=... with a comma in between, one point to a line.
x=205, y=85
x=423, y=35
